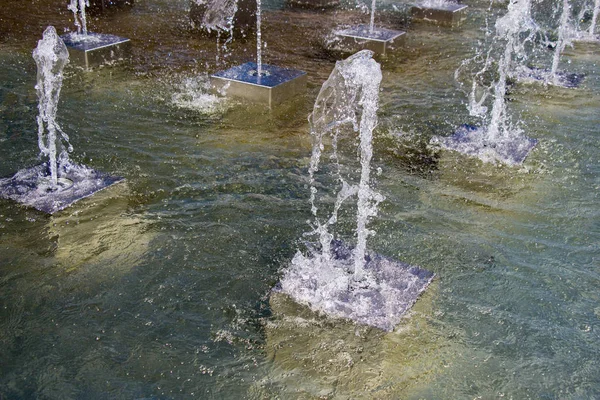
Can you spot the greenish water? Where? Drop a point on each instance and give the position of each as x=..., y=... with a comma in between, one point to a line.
x=158, y=288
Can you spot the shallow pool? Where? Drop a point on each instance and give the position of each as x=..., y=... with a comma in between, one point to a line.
x=159, y=287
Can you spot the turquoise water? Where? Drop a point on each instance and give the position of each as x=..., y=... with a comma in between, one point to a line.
x=159, y=287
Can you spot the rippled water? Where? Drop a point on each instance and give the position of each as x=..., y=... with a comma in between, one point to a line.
x=158, y=287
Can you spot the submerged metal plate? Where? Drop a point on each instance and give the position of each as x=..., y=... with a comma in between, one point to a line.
x=383, y=304
x=29, y=186
x=466, y=140
x=275, y=85
x=450, y=14
x=360, y=37
x=96, y=49
x=541, y=75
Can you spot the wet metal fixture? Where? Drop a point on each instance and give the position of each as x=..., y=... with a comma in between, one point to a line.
x=361, y=37
x=447, y=15
x=258, y=82
x=32, y=186
x=272, y=86
x=395, y=288
x=95, y=49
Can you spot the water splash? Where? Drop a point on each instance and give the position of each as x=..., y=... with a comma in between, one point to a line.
x=501, y=140
x=258, y=40
x=219, y=17
x=78, y=9
x=51, y=56
x=58, y=183
x=349, y=97
x=592, y=28
x=334, y=278
x=372, y=24
x=589, y=33
x=562, y=41
x=194, y=93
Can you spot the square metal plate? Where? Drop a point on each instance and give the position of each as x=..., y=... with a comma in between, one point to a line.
x=395, y=288
x=380, y=41
x=29, y=186
x=96, y=48
x=449, y=15
x=275, y=86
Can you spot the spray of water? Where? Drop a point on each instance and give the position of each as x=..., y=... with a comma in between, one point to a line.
x=332, y=278
x=511, y=26
x=78, y=9
x=258, y=40
x=348, y=98
x=219, y=17
x=562, y=41
x=372, y=24
x=437, y=4
x=500, y=140
x=592, y=28
x=51, y=56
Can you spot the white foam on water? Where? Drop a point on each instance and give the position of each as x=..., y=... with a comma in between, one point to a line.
x=595, y=13
x=328, y=285
x=507, y=151
x=436, y=4
x=77, y=38
x=194, y=93
x=33, y=186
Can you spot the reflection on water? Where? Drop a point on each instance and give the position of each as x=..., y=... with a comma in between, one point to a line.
x=158, y=288
x=100, y=232
x=316, y=357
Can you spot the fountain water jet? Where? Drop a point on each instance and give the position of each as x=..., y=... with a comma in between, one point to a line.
x=333, y=278
x=500, y=141
x=57, y=183
x=78, y=9
x=589, y=34
x=219, y=17
x=441, y=12
x=592, y=28
x=566, y=35
x=89, y=49
x=312, y=4
x=261, y=83
x=230, y=17
x=368, y=37
x=561, y=42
